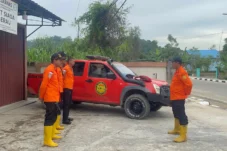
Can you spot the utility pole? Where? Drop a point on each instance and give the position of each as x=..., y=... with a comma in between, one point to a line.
x=113, y=3
x=78, y=30
x=120, y=7
x=220, y=41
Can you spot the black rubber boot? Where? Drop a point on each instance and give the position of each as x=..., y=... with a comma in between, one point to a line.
x=67, y=122
x=70, y=119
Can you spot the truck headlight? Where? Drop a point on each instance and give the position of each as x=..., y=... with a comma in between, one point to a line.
x=157, y=88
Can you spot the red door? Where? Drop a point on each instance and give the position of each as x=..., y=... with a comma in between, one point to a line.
x=99, y=88
x=80, y=74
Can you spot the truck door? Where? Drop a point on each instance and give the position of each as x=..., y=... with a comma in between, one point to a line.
x=79, y=88
x=99, y=88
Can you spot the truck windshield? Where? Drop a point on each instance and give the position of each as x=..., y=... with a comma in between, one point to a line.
x=123, y=69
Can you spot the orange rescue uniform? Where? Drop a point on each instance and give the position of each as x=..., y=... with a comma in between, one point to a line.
x=181, y=85
x=50, y=87
x=68, y=77
x=60, y=78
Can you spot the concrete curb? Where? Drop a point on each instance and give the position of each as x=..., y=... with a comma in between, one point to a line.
x=211, y=80
x=198, y=100
x=201, y=101
x=16, y=105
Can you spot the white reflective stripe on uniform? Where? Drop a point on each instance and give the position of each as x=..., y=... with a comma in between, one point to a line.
x=64, y=71
x=50, y=75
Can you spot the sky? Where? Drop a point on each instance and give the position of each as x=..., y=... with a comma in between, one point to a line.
x=195, y=23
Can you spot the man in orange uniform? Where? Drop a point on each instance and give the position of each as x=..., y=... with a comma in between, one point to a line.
x=180, y=88
x=60, y=104
x=50, y=94
x=68, y=88
x=63, y=63
x=60, y=79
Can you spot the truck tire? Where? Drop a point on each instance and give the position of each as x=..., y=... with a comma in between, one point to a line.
x=136, y=106
x=76, y=103
x=155, y=107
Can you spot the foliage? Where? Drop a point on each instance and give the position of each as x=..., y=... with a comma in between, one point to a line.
x=105, y=25
x=41, y=49
x=223, y=57
x=195, y=60
x=133, y=48
x=106, y=32
x=213, y=47
x=132, y=43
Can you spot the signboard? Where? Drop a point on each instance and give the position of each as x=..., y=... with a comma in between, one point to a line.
x=8, y=16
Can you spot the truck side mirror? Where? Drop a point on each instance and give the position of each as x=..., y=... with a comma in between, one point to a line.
x=111, y=75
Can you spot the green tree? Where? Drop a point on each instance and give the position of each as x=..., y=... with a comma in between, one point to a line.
x=171, y=49
x=194, y=59
x=212, y=47
x=206, y=62
x=223, y=57
x=147, y=45
x=150, y=50
x=172, y=40
x=133, y=39
x=105, y=26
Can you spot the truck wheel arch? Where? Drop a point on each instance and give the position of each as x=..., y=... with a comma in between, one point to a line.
x=129, y=90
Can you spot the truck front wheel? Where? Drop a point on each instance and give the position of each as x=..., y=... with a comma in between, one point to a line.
x=136, y=106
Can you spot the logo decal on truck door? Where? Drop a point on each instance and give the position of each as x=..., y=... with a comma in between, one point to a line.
x=101, y=88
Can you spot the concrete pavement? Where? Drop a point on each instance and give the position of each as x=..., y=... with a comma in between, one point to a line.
x=103, y=128
x=210, y=90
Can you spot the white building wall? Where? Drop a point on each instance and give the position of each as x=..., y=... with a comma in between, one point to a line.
x=151, y=71
x=42, y=69
x=147, y=71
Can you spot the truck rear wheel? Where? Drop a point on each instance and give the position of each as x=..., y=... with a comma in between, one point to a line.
x=76, y=103
x=155, y=107
x=136, y=106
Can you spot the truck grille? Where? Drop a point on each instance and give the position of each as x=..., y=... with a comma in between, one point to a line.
x=164, y=90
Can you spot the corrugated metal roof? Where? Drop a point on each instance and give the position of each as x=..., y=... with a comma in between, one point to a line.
x=36, y=10
x=205, y=53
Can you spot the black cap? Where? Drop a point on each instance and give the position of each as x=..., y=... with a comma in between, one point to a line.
x=56, y=56
x=177, y=59
x=62, y=53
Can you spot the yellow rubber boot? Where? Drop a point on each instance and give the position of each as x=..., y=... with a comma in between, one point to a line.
x=55, y=129
x=48, y=137
x=176, y=129
x=183, y=134
x=59, y=127
x=54, y=136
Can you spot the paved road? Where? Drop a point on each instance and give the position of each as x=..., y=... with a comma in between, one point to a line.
x=210, y=90
x=104, y=128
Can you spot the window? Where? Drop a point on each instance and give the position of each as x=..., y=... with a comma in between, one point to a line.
x=78, y=68
x=125, y=71
x=99, y=70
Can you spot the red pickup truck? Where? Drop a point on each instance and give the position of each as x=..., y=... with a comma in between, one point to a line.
x=103, y=81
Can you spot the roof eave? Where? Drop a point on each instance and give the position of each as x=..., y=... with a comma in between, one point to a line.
x=36, y=10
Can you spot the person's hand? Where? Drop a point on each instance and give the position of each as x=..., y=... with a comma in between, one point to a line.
x=170, y=104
